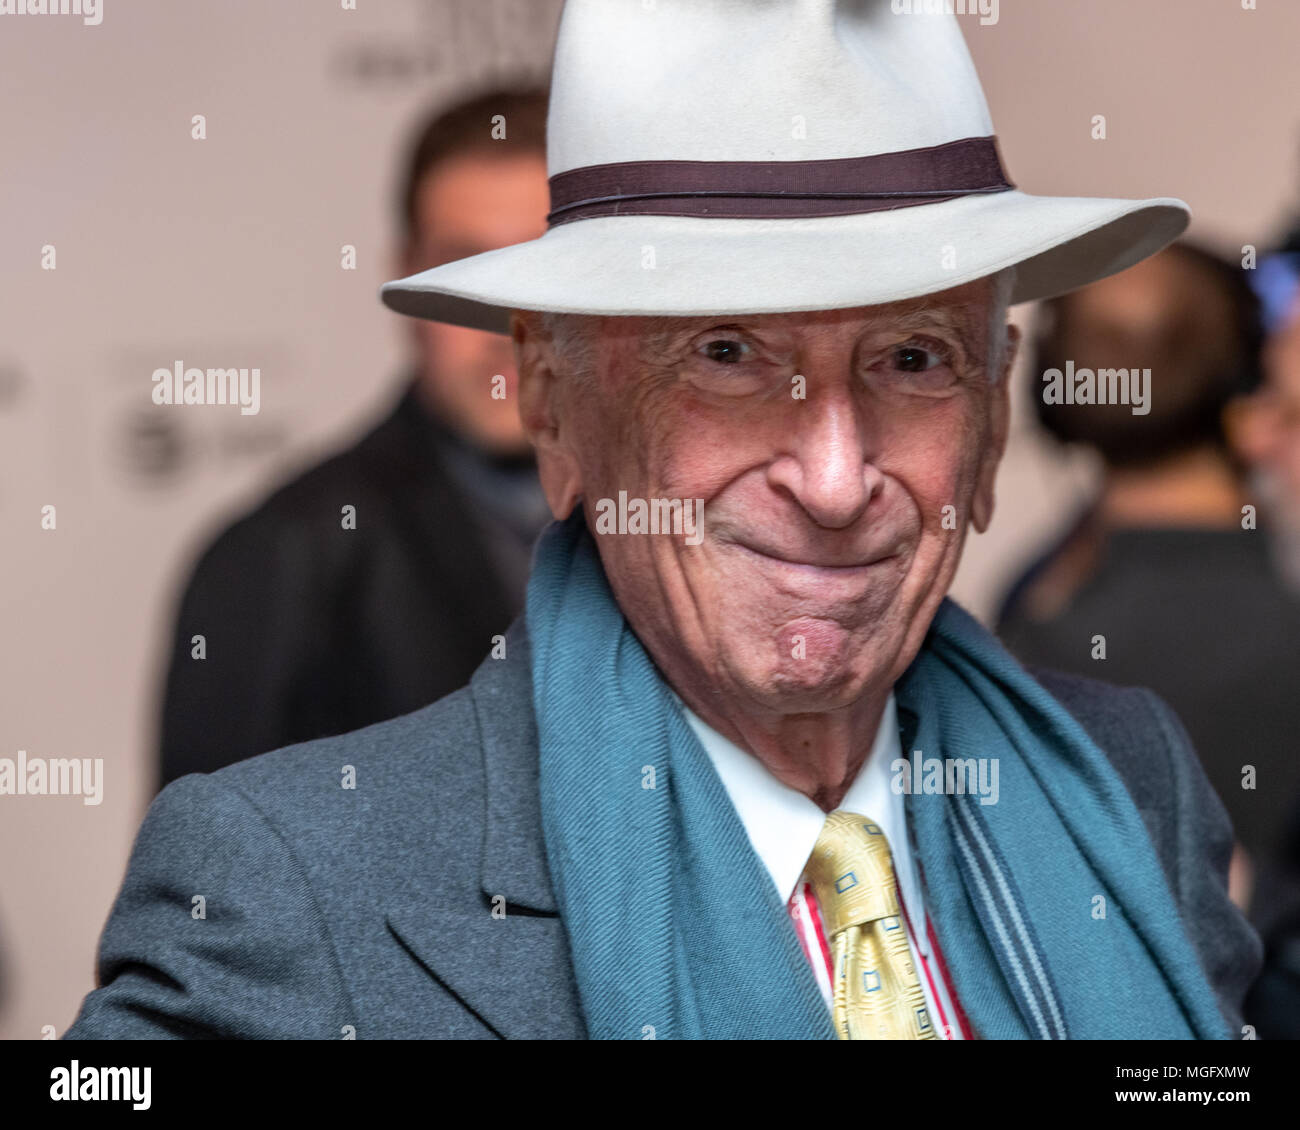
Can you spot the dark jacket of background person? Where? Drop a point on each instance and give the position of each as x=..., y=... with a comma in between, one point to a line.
x=313, y=630
x=1273, y=1004
x=384, y=923
x=1198, y=616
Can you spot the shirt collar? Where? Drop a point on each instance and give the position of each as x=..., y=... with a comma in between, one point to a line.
x=783, y=824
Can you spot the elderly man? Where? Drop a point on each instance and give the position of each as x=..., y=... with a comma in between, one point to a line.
x=742, y=771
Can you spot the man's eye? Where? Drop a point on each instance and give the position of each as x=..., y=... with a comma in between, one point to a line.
x=916, y=359
x=726, y=351
x=918, y=368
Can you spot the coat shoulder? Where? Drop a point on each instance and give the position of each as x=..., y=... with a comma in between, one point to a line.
x=1126, y=723
x=407, y=796
x=363, y=804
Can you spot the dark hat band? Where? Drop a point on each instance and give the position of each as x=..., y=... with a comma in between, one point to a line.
x=780, y=189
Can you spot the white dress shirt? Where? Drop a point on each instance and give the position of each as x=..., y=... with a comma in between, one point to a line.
x=783, y=825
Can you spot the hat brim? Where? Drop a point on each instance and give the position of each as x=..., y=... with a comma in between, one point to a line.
x=688, y=266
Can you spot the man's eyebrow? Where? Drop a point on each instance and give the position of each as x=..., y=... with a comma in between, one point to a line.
x=929, y=317
x=937, y=317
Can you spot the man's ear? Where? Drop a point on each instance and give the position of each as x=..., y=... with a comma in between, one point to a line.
x=999, y=426
x=541, y=412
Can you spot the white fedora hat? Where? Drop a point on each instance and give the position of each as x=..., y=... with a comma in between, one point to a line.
x=762, y=156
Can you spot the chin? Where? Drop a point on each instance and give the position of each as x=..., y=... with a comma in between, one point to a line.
x=805, y=688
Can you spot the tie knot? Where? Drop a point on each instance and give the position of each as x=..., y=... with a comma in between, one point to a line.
x=852, y=873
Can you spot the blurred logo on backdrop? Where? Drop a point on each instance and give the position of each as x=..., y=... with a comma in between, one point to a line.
x=154, y=441
x=424, y=39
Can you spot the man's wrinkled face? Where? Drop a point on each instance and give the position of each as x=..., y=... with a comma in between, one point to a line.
x=839, y=456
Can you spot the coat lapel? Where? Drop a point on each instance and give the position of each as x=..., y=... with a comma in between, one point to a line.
x=511, y=968
x=513, y=973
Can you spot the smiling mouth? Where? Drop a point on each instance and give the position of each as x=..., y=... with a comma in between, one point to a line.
x=815, y=567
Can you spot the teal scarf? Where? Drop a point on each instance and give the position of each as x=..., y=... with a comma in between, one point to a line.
x=1050, y=906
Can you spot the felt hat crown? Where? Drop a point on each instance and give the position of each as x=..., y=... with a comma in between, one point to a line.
x=763, y=156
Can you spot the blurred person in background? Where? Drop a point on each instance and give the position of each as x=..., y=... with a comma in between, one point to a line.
x=313, y=629
x=1162, y=564
x=1266, y=429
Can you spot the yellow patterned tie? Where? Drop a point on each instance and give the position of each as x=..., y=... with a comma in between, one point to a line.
x=878, y=995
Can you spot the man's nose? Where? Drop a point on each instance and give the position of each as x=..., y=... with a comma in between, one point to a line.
x=827, y=462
